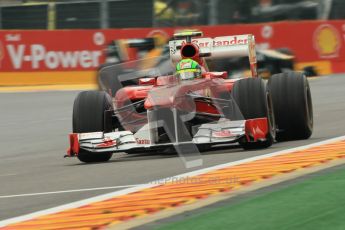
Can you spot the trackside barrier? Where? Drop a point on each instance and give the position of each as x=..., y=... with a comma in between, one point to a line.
x=40, y=57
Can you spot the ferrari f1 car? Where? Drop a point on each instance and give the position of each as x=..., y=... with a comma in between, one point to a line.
x=161, y=111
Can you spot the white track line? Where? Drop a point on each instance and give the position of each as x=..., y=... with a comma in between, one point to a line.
x=68, y=191
x=153, y=184
x=9, y=174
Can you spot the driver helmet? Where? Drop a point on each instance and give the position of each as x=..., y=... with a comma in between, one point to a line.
x=188, y=69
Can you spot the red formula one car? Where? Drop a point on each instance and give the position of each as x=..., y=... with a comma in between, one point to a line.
x=149, y=109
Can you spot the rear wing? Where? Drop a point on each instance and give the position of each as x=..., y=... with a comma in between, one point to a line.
x=219, y=48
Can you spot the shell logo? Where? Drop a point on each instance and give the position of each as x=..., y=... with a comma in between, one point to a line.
x=327, y=41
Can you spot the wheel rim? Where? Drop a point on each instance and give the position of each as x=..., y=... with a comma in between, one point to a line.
x=309, y=107
x=270, y=116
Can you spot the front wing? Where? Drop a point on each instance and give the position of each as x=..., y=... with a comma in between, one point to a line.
x=221, y=132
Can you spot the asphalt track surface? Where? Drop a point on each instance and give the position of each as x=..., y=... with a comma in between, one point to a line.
x=33, y=137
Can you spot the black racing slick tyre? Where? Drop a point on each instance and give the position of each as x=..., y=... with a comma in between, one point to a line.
x=254, y=101
x=88, y=116
x=292, y=102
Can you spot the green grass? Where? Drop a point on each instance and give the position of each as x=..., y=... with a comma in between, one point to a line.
x=317, y=203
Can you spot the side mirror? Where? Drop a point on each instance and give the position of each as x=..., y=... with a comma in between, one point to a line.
x=212, y=75
x=147, y=81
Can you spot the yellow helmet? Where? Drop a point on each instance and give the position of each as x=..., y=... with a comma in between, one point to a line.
x=188, y=69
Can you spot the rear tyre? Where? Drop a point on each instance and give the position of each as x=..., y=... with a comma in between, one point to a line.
x=292, y=102
x=88, y=116
x=254, y=101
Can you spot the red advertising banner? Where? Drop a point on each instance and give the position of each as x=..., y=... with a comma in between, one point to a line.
x=51, y=50
x=83, y=50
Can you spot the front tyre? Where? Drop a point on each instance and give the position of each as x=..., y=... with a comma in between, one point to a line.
x=254, y=101
x=292, y=102
x=88, y=116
